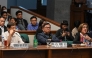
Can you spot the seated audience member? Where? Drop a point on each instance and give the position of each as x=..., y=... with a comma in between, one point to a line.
x=4, y=15
x=3, y=9
x=2, y=26
x=75, y=29
x=63, y=33
x=33, y=25
x=82, y=36
x=11, y=36
x=13, y=20
x=22, y=23
x=46, y=34
x=39, y=30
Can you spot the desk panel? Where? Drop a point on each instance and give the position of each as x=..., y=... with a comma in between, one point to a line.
x=44, y=52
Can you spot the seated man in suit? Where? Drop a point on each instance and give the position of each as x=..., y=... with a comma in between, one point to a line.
x=11, y=36
x=21, y=23
x=46, y=34
x=2, y=26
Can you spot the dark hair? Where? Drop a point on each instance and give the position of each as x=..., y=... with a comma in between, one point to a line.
x=33, y=17
x=3, y=13
x=76, y=24
x=13, y=18
x=3, y=7
x=45, y=24
x=81, y=26
x=10, y=24
x=1, y=17
x=18, y=12
x=41, y=22
x=64, y=22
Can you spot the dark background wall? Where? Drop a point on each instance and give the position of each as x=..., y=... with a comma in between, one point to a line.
x=59, y=10
x=28, y=4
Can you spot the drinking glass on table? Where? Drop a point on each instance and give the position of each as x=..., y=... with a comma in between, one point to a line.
x=48, y=42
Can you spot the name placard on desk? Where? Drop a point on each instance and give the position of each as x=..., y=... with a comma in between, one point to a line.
x=59, y=44
x=20, y=45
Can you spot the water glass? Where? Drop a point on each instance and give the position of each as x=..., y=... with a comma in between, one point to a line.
x=48, y=42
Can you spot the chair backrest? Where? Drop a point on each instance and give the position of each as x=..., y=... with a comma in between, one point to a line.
x=25, y=38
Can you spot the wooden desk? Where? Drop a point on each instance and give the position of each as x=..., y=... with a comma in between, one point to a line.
x=44, y=52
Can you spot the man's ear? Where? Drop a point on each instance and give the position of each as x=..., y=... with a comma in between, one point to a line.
x=42, y=29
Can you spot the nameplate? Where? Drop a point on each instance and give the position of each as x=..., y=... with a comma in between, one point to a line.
x=59, y=44
x=18, y=45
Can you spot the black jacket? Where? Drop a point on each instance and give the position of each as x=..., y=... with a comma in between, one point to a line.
x=68, y=38
x=0, y=31
x=77, y=38
x=5, y=28
x=42, y=38
x=24, y=21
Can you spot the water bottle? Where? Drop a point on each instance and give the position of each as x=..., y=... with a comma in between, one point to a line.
x=35, y=43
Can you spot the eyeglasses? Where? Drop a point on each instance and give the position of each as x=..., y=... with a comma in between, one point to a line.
x=47, y=27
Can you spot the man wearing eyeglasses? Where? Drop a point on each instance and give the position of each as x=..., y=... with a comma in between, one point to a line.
x=46, y=34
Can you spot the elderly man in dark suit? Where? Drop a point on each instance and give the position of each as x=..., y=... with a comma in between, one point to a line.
x=46, y=34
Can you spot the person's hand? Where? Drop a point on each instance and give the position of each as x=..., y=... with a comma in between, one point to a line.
x=68, y=33
x=11, y=32
x=87, y=37
x=64, y=34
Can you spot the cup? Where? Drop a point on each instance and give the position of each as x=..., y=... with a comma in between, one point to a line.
x=5, y=43
x=91, y=44
x=48, y=42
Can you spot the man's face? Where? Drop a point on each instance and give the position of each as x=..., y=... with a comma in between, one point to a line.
x=4, y=15
x=34, y=21
x=19, y=15
x=2, y=21
x=46, y=28
x=12, y=28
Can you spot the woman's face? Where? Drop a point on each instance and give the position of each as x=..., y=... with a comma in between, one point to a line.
x=12, y=20
x=64, y=27
x=84, y=29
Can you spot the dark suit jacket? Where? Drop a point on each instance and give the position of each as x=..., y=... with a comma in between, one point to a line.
x=42, y=37
x=5, y=28
x=77, y=38
x=0, y=31
x=25, y=22
x=68, y=38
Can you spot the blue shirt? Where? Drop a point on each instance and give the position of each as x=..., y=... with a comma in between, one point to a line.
x=32, y=27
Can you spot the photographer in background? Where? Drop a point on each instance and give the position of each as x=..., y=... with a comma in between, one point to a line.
x=63, y=33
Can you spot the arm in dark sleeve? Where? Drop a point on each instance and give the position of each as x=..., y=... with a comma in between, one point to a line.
x=0, y=31
x=71, y=38
x=26, y=23
x=58, y=34
x=55, y=39
x=41, y=38
x=77, y=38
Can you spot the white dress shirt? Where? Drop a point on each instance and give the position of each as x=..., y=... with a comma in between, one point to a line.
x=16, y=38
